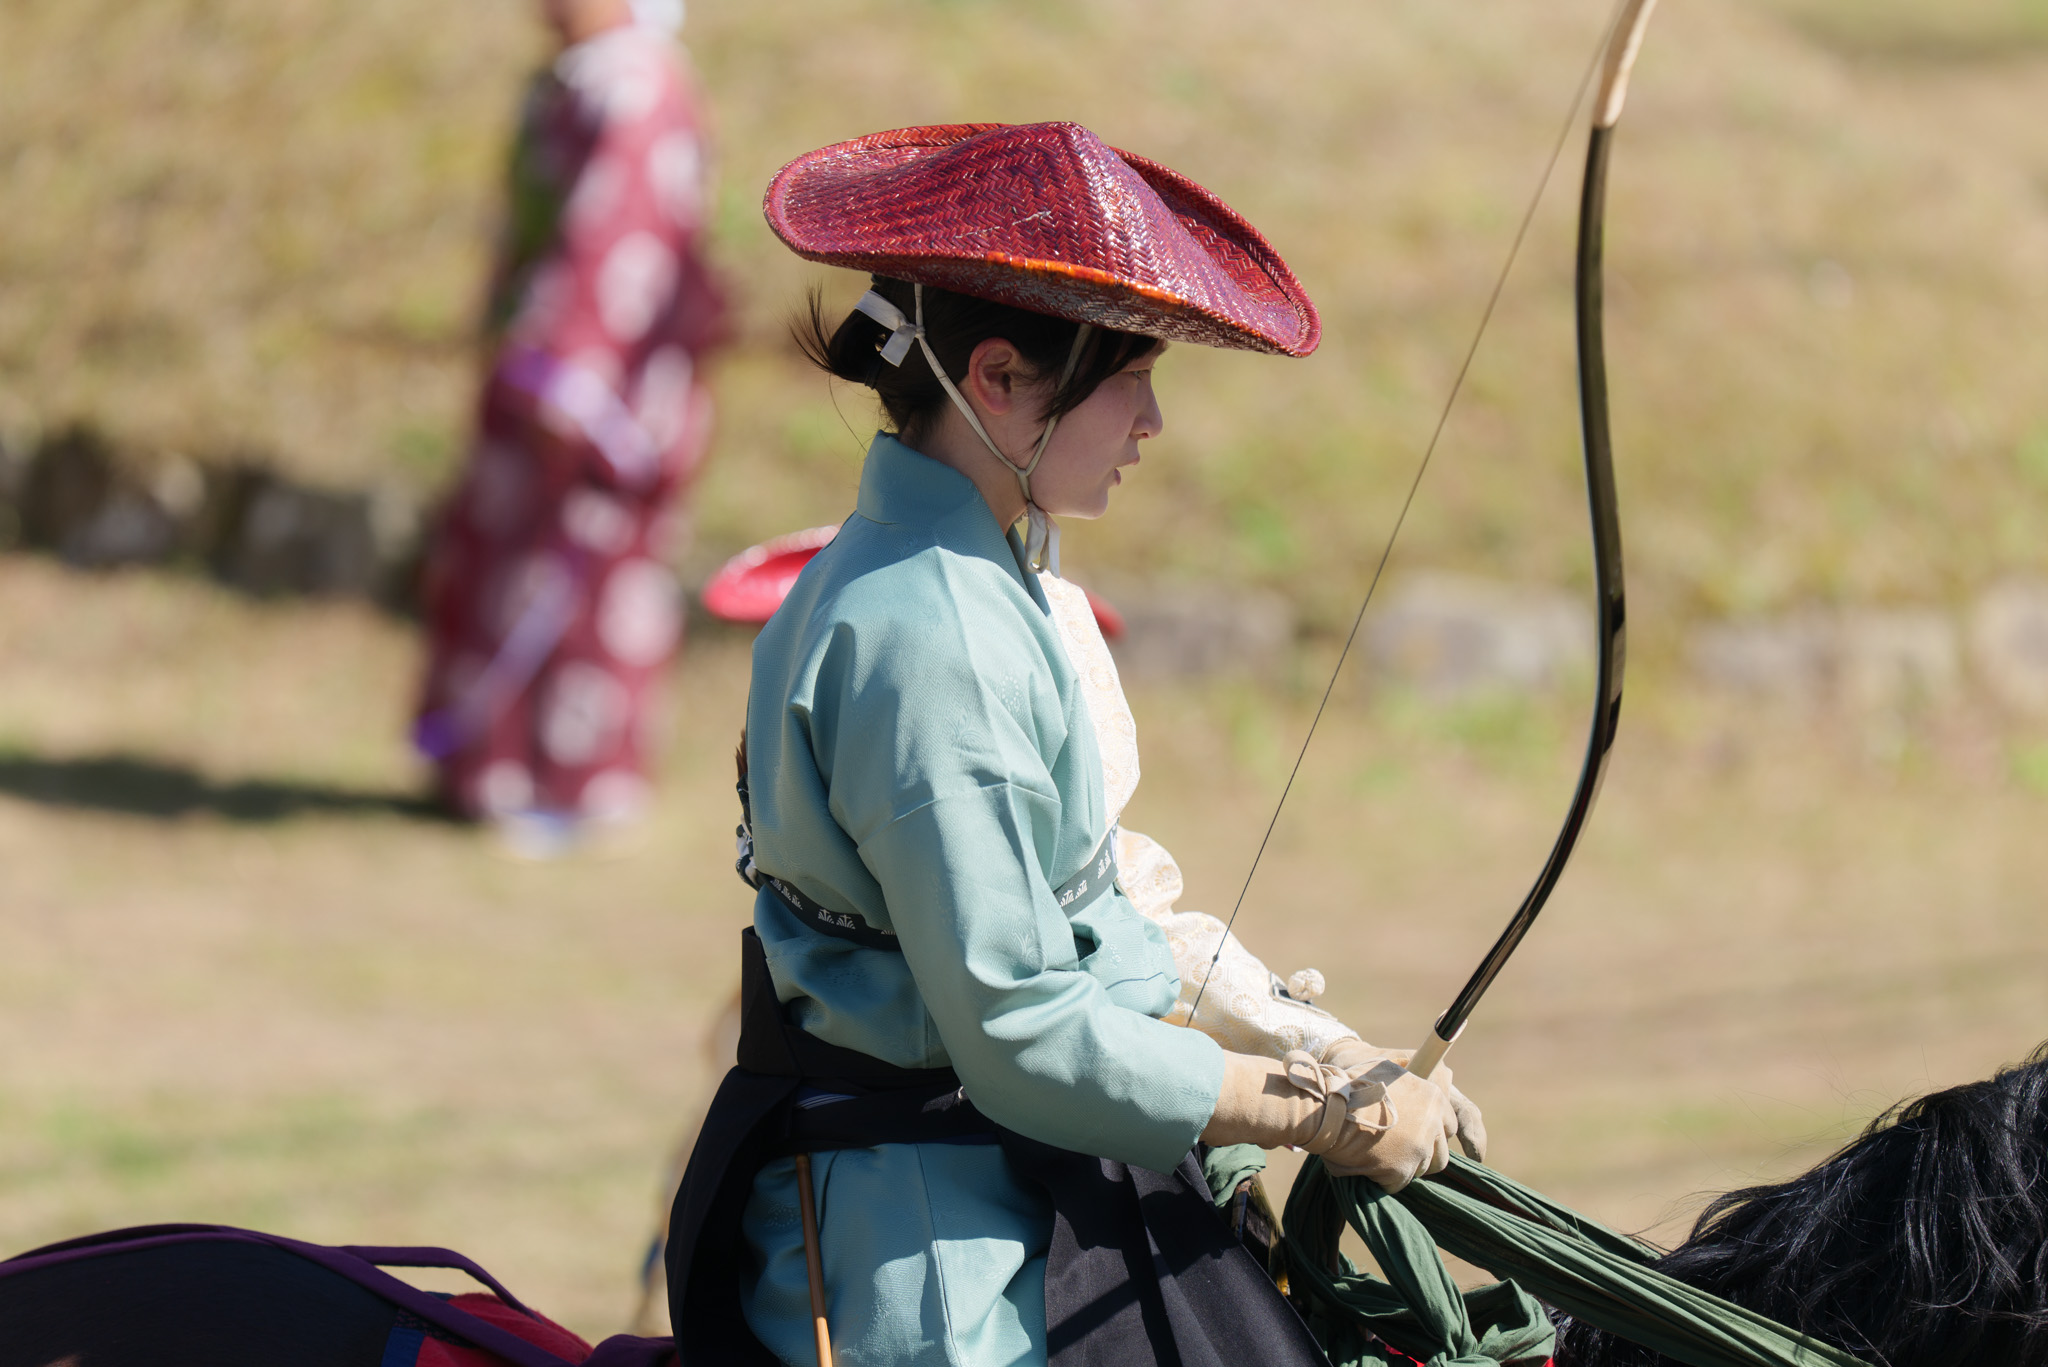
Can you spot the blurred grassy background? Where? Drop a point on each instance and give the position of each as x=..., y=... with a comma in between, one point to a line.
x=240, y=224
x=244, y=981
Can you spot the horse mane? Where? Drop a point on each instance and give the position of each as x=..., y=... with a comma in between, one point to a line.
x=1923, y=1243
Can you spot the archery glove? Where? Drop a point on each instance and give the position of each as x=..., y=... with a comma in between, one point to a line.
x=1355, y=1057
x=1389, y=1126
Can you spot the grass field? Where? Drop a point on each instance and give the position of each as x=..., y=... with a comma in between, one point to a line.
x=243, y=979
x=245, y=982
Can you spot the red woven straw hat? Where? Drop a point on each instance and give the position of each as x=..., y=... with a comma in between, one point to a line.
x=1045, y=216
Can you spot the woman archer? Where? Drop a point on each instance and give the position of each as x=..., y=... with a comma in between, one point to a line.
x=964, y=987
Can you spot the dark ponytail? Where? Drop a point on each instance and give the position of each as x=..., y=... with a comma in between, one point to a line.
x=956, y=324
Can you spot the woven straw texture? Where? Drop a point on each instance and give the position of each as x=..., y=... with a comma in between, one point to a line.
x=1046, y=217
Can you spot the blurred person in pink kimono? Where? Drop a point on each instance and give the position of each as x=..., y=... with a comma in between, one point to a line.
x=550, y=605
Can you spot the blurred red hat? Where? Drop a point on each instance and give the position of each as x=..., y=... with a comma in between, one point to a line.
x=1046, y=217
x=749, y=587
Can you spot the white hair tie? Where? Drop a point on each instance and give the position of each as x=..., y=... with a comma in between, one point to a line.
x=902, y=332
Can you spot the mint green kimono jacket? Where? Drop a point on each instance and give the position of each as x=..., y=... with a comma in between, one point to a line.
x=919, y=754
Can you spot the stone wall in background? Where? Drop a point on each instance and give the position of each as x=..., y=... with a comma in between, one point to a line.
x=1888, y=661
x=1896, y=660
x=1449, y=635
x=1183, y=630
x=79, y=497
x=2008, y=644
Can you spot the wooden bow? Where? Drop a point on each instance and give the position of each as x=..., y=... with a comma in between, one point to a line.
x=1620, y=43
x=1624, y=39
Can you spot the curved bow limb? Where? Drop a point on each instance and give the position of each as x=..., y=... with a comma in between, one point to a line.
x=1625, y=39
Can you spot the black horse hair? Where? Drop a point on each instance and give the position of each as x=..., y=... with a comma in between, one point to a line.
x=1923, y=1243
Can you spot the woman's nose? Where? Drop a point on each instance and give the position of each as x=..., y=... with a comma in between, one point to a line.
x=1151, y=422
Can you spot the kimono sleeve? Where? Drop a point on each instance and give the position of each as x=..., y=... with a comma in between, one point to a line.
x=942, y=781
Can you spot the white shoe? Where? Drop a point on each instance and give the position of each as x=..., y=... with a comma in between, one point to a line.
x=537, y=835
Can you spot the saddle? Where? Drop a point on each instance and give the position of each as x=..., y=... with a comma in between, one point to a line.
x=215, y=1296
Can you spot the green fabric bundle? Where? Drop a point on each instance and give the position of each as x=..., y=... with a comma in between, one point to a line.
x=1226, y=1167
x=1419, y=1310
x=1583, y=1268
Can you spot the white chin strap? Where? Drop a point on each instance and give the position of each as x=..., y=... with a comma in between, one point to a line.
x=1042, y=544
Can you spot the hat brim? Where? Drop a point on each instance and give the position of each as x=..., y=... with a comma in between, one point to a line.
x=1048, y=218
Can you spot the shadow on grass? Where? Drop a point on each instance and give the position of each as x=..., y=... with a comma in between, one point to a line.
x=133, y=786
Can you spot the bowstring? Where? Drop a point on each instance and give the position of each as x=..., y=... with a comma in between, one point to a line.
x=1443, y=418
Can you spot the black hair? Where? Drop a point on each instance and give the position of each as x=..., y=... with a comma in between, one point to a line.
x=1924, y=1243
x=956, y=324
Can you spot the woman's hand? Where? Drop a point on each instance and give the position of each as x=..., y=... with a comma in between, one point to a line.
x=1355, y=1057
x=1404, y=1134
x=1387, y=1125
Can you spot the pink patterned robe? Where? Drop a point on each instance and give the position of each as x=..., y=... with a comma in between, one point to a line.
x=550, y=606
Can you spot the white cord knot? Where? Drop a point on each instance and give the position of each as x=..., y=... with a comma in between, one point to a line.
x=1041, y=540
x=1306, y=985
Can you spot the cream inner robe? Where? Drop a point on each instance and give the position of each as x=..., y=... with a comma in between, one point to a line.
x=1246, y=1009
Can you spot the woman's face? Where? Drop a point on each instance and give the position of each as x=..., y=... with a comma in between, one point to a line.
x=1091, y=445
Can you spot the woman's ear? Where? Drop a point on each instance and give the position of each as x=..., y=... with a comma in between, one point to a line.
x=995, y=376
